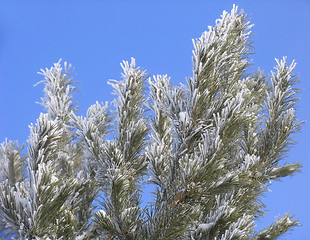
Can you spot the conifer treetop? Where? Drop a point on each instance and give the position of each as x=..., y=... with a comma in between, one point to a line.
x=210, y=149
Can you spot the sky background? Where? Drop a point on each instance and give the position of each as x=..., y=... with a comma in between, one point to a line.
x=95, y=36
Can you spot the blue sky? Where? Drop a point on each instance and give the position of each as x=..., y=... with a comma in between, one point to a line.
x=95, y=36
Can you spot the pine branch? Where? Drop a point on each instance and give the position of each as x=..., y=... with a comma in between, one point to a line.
x=278, y=228
x=280, y=120
x=11, y=162
x=211, y=151
x=124, y=159
x=58, y=89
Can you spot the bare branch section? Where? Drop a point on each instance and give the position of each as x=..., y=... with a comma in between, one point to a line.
x=209, y=149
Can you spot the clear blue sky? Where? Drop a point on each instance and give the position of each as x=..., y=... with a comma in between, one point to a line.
x=95, y=36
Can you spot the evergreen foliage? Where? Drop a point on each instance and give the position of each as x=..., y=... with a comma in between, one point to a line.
x=210, y=149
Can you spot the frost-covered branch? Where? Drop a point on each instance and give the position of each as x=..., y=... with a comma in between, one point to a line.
x=11, y=163
x=280, y=121
x=124, y=159
x=278, y=228
x=58, y=89
x=209, y=148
